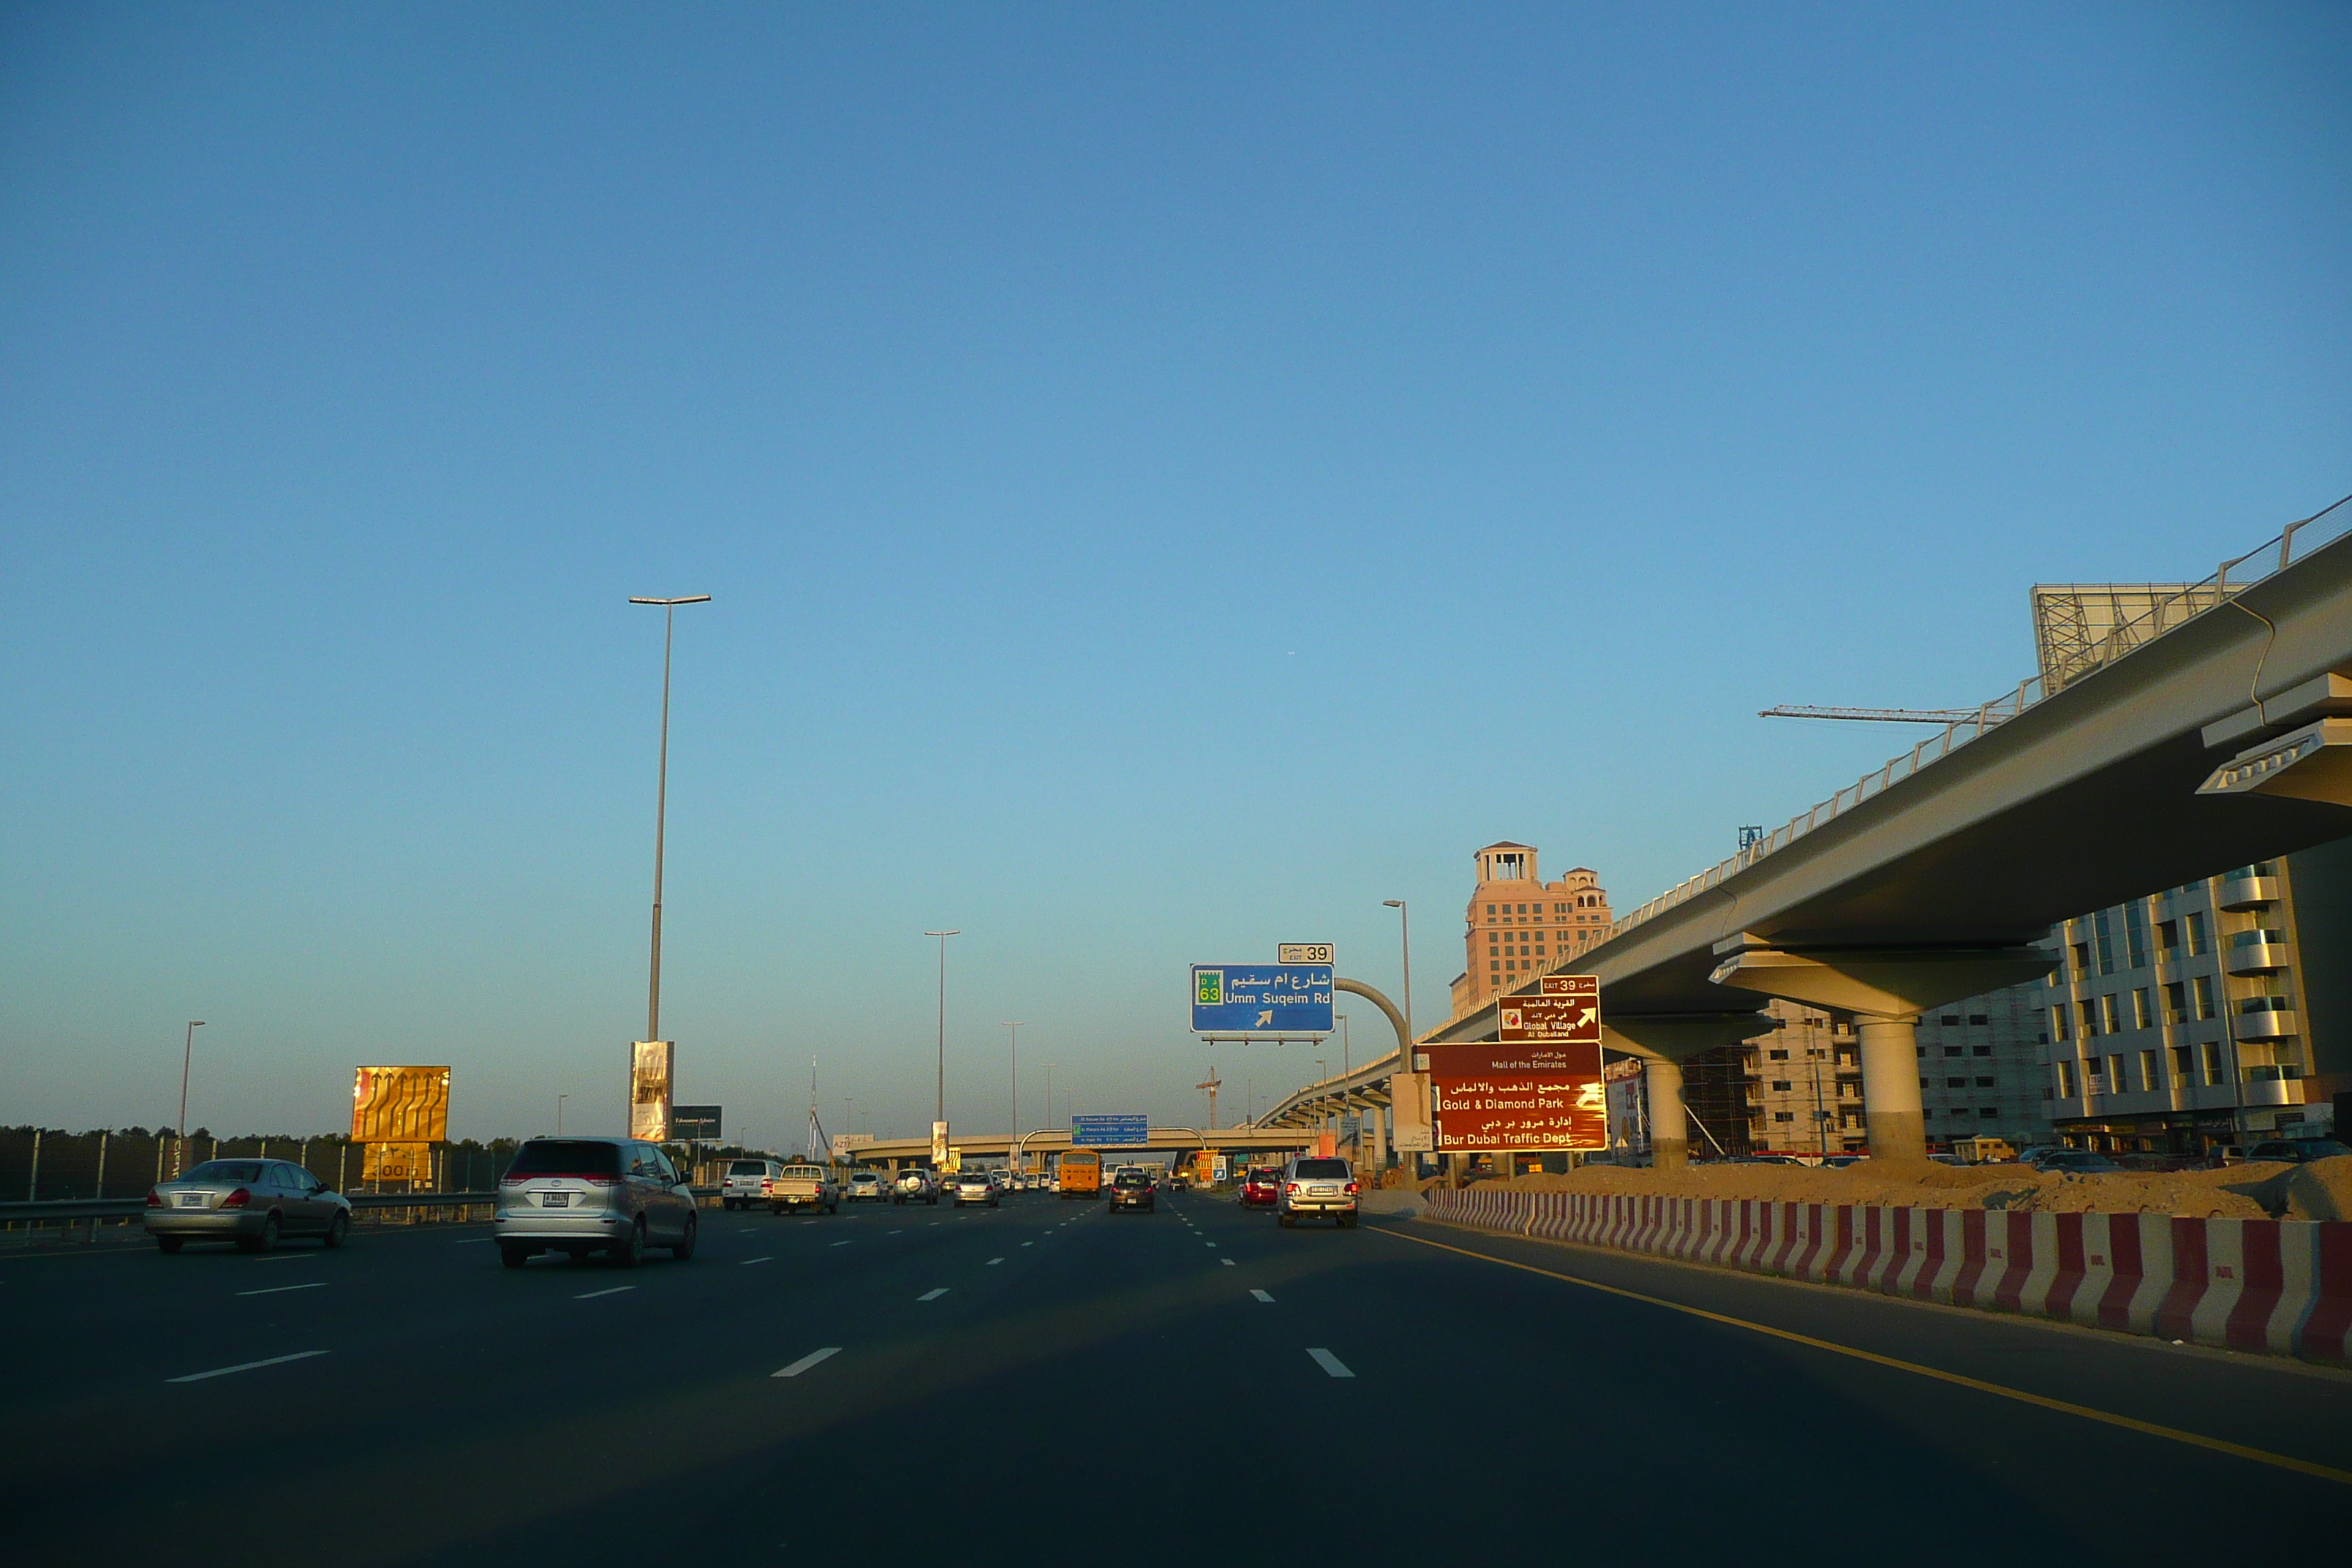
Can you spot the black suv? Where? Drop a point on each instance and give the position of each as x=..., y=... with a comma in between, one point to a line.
x=1132, y=1190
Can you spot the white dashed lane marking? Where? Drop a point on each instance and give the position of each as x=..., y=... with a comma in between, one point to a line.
x=1329, y=1363
x=1263, y=1297
x=611, y=1290
x=1227, y=1261
x=807, y=1362
x=245, y=1366
x=281, y=1290
x=932, y=1295
x=748, y=1261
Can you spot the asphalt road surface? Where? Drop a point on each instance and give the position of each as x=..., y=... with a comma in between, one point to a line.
x=1194, y=1385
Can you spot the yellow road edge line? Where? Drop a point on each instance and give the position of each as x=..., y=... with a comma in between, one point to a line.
x=2194, y=1439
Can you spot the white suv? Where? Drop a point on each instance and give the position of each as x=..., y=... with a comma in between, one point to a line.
x=1316, y=1184
x=743, y=1187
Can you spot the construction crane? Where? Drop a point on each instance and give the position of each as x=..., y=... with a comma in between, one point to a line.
x=1212, y=1083
x=1880, y=715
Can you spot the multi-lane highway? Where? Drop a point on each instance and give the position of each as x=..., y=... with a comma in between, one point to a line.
x=1049, y=1380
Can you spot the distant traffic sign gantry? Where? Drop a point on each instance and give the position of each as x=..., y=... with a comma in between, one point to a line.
x=1092, y=1131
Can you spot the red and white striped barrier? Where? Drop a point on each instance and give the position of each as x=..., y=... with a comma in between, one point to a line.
x=2282, y=1286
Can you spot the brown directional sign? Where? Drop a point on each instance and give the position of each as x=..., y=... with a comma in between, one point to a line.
x=1574, y=1059
x=1520, y=1111
x=1566, y=1008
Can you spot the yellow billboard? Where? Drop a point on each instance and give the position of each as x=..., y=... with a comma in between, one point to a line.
x=650, y=1064
x=409, y=1164
x=400, y=1105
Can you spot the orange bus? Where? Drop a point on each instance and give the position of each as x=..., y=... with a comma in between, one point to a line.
x=1081, y=1173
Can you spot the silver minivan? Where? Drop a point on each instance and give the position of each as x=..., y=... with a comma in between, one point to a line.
x=578, y=1195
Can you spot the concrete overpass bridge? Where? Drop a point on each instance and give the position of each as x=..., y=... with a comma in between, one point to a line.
x=2213, y=731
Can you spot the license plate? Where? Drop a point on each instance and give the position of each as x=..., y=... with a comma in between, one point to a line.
x=1320, y=1192
x=555, y=1200
x=192, y=1200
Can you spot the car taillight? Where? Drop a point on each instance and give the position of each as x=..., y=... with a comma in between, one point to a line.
x=513, y=1179
x=602, y=1180
x=1351, y=1189
x=1294, y=1186
x=237, y=1200
x=154, y=1199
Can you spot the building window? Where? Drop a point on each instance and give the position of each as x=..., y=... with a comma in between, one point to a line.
x=1951, y=1050
x=1928, y=1114
x=2176, y=1001
x=2061, y=1027
x=2115, y=1074
x=1950, y=1020
x=2143, y=1014
x=1779, y=1056
x=1956, y=1083
x=2090, y=1010
x=2093, y=1070
x=1780, y=1086
x=2135, y=935
x=2196, y=934
x=1989, y=1110
x=1981, y=1051
x=2204, y=983
x=2110, y=1016
x=1984, y=1083
x=2065, y=1080
x=2168, y=937
x=1784, y=1116
x=2081, y=950
x=1978, y=1018
x=2150, y=1075
x=2212, y=1062
x=2105, y=940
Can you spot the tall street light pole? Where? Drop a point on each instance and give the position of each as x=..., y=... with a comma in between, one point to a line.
x=940, y=1114
x=661, y=804
x=1405, y=1052
x=187, y=1054
x=1015, y=1025
x=559, y=1111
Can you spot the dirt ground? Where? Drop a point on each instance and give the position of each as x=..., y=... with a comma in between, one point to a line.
x=2322, y=1190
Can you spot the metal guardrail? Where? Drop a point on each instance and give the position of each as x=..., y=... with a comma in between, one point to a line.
x=2166, y=615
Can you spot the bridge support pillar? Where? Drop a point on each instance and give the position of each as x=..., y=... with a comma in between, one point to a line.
x=1890, y=1087
x=1669, y=1130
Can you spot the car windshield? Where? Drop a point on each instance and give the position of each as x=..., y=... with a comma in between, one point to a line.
x=1133, y=1179
x=805, y=1172
x=1315, y=1170
x=225, y=1171
x=566, y=1156
x=748, y=1168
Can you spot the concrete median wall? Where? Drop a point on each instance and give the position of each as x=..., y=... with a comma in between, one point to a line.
x=2277, y=1285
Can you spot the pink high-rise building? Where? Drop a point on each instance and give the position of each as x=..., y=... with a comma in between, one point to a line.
x=1519, y=925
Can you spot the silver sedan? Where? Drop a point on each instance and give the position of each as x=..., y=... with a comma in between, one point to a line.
x=252, y=1202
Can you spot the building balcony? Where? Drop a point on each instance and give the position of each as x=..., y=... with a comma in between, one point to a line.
x=2257, y=953
x=2244, y=890
x=2266, y=1023
x=2272, y=1086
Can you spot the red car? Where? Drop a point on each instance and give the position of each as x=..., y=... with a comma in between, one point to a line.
x=1257, y=1189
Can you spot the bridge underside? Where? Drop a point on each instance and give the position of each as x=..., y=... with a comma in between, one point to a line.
x=897, y=1152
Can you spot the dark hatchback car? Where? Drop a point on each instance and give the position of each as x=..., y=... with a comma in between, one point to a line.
x=1133, y=1190
x=2296, y=1150
x=1258, y=1188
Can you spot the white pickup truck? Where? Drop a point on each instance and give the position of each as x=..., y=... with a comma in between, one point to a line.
x=803, y=1187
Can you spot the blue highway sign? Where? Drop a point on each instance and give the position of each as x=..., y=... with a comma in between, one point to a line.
x=1262, y=999
x=1086, y=1131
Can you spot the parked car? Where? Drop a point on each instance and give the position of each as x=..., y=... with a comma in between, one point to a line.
x=579, y=1196
x=1131, y=1189
x=803, y=1187
x=2296, y=1150
x=974, y=1187
x=253, y=1203
x=2075, y=1162
x=916, y=1186
x=742, y=1187
x=1316, y=1184
x=1259, y=1188
x=865, y=1188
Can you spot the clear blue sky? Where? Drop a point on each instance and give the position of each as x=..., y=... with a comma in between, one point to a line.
x=1172, y=476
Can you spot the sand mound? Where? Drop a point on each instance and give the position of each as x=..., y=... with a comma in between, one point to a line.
x=2319, y=1190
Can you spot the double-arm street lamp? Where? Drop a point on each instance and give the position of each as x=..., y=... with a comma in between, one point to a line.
x=941, y=1113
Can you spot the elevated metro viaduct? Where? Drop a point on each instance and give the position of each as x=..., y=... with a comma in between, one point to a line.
x=2214, y=733
x=897, y=1153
